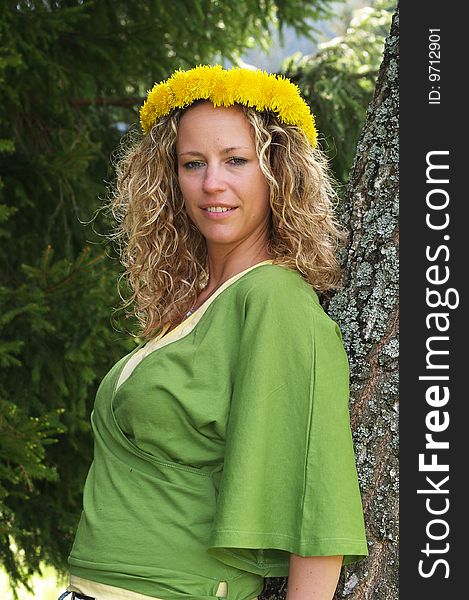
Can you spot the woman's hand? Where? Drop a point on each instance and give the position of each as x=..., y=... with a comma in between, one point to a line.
x=313, y=577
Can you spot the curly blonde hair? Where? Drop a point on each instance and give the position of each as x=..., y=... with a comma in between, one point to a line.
x=164, y=254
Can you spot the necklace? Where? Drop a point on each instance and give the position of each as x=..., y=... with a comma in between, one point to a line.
x=192, y=309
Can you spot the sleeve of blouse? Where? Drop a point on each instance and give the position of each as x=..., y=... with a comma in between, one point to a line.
x=289, y=482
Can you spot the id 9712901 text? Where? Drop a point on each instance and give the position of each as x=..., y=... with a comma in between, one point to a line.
x=434, y=77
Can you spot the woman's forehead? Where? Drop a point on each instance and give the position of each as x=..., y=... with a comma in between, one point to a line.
x=204, y=109
x=226, y=125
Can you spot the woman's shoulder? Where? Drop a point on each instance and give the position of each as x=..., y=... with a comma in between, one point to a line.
x=278, y=295
x=281, y=290
x=275, y=282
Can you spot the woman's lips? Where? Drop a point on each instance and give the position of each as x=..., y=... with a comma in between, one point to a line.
x=213, y=214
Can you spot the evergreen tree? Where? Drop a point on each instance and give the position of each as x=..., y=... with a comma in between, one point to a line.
x=339, y=81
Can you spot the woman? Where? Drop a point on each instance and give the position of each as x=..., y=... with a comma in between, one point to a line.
x=223, y=451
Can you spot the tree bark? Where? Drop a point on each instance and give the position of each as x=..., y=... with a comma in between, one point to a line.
x=366, y=309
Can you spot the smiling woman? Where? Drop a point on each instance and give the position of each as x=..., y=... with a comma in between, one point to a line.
x=223, y=451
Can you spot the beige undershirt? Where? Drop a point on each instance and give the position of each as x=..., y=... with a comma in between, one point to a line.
x=100, y=591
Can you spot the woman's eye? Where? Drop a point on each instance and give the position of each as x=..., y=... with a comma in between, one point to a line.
x=193, y=164
x=237, y=161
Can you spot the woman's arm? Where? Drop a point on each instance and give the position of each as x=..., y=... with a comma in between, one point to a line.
x=313, y=577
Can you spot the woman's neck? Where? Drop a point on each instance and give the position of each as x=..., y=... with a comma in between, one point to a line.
x=223, y=266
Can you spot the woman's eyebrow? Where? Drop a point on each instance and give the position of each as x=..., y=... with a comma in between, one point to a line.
x=228, y=150
x=224, y=151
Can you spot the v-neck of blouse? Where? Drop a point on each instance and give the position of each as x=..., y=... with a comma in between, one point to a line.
x=180, y=331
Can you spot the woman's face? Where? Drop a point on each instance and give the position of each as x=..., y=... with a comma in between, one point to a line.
x=225, y=192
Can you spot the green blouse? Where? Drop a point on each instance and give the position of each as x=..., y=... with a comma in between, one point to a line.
x=226, y=448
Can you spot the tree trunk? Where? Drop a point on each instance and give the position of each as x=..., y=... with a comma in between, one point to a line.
x=367, y=312
x=366, y=309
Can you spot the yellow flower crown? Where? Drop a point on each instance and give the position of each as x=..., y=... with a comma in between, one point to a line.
x=223, y=87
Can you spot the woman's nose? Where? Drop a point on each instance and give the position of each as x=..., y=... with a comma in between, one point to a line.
x=213, y=179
